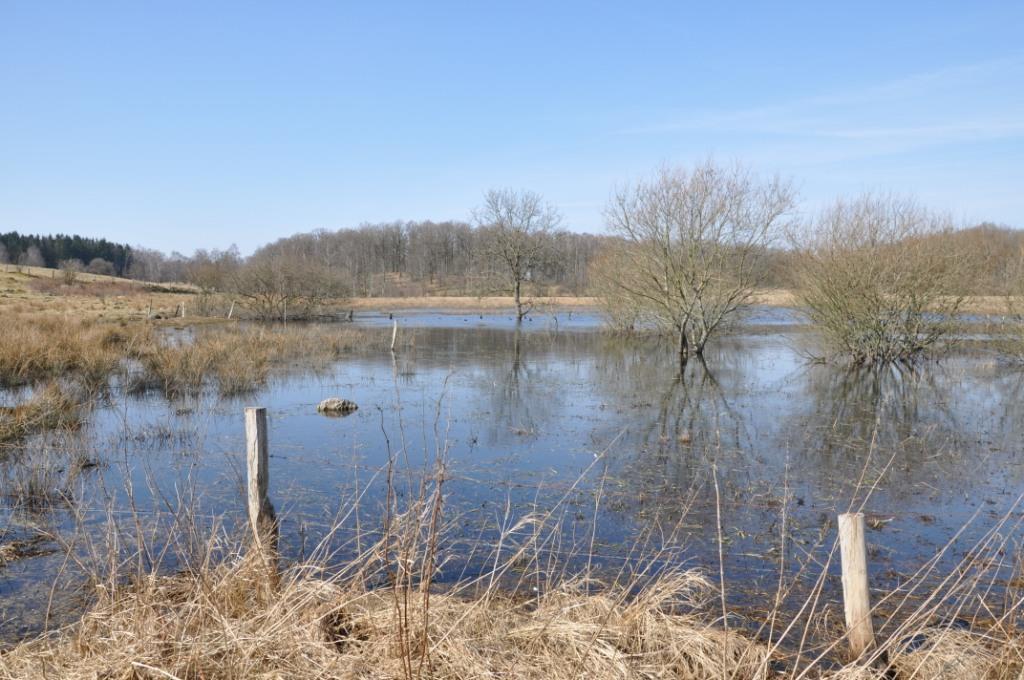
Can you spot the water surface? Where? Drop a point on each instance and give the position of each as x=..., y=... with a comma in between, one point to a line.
x=751, y=440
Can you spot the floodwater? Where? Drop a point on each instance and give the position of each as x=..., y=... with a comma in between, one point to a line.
x=753, y=443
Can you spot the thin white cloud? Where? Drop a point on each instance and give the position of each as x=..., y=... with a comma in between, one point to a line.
x=960, y=103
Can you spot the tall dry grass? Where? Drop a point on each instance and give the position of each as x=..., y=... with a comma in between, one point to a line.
x=40, y=347
x=220, y=620
x=385, y=611
x=237, y=359
x=49, y=408
x=234, y=359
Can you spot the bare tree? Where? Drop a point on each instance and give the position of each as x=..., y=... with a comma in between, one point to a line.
x=1013, y=338
x=692, y=247
x=70, y=269
x=211, y=272
x=878, y=277
x=33, y=257
x=519, y=223
x=279, y=287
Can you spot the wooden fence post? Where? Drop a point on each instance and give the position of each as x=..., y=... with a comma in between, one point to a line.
x=261, y=512
x=856, y=598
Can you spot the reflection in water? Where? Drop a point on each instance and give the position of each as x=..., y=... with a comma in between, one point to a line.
x=529, y=413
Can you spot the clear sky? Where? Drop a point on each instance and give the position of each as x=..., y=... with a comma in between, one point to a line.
x=181, y=124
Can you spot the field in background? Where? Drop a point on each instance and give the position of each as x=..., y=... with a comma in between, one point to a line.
x=38, y=289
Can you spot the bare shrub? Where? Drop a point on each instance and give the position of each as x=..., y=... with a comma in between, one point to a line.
x=101, y=267
x=692, y=247
x=279, y=286
x=878, y=280
x=69, y=271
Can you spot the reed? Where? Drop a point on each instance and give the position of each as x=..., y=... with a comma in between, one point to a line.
x=49, y=408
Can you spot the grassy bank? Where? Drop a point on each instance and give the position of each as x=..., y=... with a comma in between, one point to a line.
x=56, y=366
x=35, y=290
x=380, y=616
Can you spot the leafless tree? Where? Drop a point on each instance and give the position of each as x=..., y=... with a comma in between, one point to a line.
x=692, y=247
x=211, y=273
x=878, y=277
x=280, y=287
x=69, y=270
x=1012, y=339
x=519, y=224
x=32, y=257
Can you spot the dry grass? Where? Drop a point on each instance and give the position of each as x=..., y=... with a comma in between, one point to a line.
x=226, y=621
x=240, y=359
x=223, y=624
x=35, y=290
x=39, y=291
x=43, y=476
x=49, y=408
x=773, y=297
x=467, y=303
x=40, y=347
x=938, y=653
x=380, y=614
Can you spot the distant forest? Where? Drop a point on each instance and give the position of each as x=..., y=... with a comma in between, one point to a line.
x=441, y=258
x=393, y=259
x=99, y=255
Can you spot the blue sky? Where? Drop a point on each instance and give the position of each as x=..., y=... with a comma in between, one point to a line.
x=201, y=124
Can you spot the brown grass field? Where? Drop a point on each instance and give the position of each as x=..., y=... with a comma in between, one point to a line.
x=37, y=289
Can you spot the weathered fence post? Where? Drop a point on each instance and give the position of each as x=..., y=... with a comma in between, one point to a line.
x=261, y=512
x=856, y=598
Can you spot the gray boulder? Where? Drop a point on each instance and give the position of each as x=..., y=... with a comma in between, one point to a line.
x=336, y=406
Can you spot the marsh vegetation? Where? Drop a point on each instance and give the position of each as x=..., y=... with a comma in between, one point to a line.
x=537, y=500
x=522, y=493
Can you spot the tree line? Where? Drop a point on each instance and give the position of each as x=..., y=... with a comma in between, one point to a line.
x=686, y=249
x=99, y=256
x=398, y=259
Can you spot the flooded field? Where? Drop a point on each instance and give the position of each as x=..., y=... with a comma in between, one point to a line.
x=739, y=465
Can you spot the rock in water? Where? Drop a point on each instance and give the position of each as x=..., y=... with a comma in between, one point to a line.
x=335, y=405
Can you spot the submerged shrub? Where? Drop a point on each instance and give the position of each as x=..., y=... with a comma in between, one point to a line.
x=691, y=249
x=878, y=279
